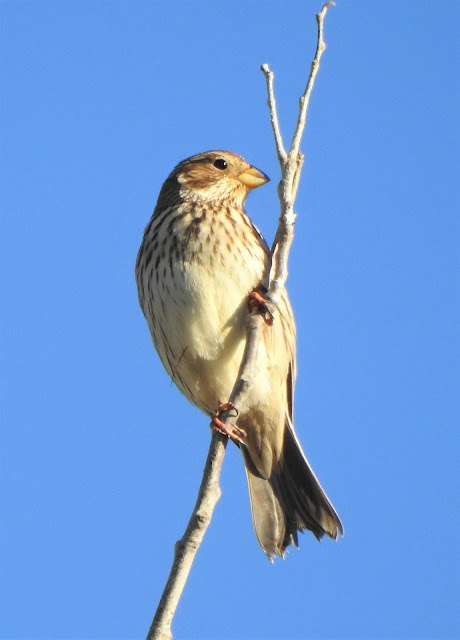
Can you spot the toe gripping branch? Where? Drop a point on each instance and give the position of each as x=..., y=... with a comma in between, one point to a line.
x=262, y=305
x=234, y=433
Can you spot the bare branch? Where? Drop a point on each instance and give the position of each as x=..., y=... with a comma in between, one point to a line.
x=280, y=150
x=305, y=98
x=186, y=548
x=209, y=493
x=291, y=167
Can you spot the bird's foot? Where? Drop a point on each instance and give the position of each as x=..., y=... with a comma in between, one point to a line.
x=233, y=432
x=257, y=301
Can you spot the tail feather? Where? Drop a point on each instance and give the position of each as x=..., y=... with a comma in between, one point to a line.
x=290, y=501
x=267, y=514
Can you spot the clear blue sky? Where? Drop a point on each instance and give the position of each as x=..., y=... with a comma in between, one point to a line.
x=101, y=456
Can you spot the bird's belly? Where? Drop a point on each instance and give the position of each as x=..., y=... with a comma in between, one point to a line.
x=199, y=304
x=213, y=310
x=209, y=324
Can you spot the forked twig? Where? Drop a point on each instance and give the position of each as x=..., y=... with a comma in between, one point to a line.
x=209, y=493
x=291, y=167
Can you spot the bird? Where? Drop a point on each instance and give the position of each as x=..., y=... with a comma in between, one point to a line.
x=200, y=260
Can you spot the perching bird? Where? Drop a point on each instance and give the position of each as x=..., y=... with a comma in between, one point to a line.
x=199, y=261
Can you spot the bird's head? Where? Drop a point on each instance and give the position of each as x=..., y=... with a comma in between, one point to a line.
x=217, y=175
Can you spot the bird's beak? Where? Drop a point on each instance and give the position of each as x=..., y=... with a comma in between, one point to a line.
x=253, y=178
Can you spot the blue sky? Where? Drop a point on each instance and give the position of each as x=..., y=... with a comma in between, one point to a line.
x=101, y=456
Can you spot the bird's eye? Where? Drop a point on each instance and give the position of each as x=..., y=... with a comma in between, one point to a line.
x=220, y=163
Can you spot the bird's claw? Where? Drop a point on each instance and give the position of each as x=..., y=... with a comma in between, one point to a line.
x=233, y=432
x=257, y=301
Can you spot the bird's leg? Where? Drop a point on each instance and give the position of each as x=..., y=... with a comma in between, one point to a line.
x=257, y=301
x=233, y=432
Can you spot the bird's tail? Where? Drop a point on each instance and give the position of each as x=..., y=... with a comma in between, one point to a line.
x=291, y=500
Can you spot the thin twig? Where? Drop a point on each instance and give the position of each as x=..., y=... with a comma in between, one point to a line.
x=305, y=98
x=280, y=150
x=291, y=167
x=209, y=493
x=186, y=548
